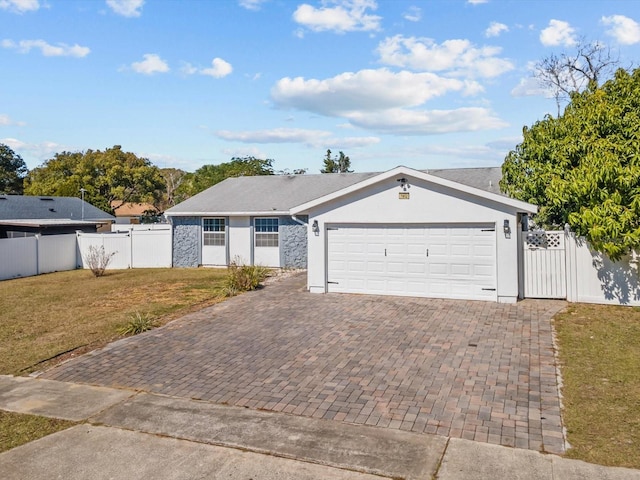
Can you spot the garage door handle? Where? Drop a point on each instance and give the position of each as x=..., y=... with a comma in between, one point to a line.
x=385, y=252
x=427, y=252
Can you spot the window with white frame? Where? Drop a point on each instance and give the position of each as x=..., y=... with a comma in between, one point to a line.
x=266, y=232
x=214, y=232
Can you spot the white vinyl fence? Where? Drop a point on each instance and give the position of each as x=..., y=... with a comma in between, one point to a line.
x=136, y=246
x=559, y=265
x=28, y=256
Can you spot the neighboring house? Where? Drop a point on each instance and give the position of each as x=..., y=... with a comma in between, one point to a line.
x=130, y=213
x=23, y=216
x=437, y=233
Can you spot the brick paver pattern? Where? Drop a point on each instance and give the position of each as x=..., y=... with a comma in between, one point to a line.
x=477, y=370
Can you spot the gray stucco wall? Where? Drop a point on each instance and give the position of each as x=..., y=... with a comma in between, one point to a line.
x=293, y=242
x=186, y=241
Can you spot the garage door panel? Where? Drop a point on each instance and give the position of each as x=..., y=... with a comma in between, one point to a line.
x=483, y=270
x=461, y=269
x=416, y=268
x=393, y=260
x=395, y=267
x=438, y=269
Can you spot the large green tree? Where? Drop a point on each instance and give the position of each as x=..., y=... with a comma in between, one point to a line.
x=336, y=164
x=12, y=171
x=208, y=175
x=583, y=167
x=106, y=176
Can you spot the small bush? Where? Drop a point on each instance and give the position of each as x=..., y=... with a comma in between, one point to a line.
x=242, y=278
x=97, y=260
x=138, y=323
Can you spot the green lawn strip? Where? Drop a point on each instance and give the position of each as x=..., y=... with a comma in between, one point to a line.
x=17, y=429
x=600, y=361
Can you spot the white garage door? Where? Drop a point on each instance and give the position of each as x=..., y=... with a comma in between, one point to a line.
x=424, y=261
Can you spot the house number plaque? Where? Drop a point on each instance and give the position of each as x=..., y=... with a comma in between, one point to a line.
x=403, y=195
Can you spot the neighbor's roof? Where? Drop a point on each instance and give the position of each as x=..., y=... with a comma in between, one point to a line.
x=277, y=194
x=47, y=222
x=26, y=207
x=130, y=209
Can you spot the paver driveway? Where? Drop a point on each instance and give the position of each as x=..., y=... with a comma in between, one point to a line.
x=477, y=370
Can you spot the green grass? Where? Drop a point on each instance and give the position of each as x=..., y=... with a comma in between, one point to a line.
x=45, y=316
x=17, y=429
x=599, y=348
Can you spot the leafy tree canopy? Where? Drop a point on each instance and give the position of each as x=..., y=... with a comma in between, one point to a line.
x=336, y=164
x=106, y=175
x=583, y=168
x=208, y=175
x=12, y=171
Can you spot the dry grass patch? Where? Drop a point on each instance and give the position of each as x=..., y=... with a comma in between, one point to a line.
x=600, y=360
x=45, y=316
x=17, y=429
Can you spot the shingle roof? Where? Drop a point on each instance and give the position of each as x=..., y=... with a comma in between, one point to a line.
x=280, y=193
x=14, y=207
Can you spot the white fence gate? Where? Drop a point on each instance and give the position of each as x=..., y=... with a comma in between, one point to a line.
x=545, y=271
x=559, y=265
x=136, y=248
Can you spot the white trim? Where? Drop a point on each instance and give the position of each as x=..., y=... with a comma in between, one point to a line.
x=521, y=206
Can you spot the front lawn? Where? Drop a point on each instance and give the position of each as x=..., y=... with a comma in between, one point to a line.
x=47, y=317
x=600, y=362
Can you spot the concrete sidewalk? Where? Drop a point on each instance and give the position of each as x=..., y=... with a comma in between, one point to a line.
x=139, y=435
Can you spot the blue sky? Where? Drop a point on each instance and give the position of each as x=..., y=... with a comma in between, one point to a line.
x=426, y=84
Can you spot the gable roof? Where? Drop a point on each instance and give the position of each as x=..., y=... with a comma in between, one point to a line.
x=429, y=177
x=267, y=194
x=26, y=207
x=279, y=194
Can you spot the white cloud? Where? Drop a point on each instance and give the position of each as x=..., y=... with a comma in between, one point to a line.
x=495, y=29
x=529, y=87
x=19, y=6
x=624, y=29
x=427, y=122
x=413, y=14
x=365, y=90
x=151, y=64
x=48, y=50
x=251, y=4
x=385, y=101
x=344, y=16
x=558, y=33
x=313, y=138
x=477, y=2
x=34, y=154
x=457, y=57
x=126, y=8
x=6, y=121
x=219, y=68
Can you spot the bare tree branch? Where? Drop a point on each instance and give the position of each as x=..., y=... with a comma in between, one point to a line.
x=568, y=73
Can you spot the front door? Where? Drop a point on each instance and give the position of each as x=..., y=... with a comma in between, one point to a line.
x=214, y=241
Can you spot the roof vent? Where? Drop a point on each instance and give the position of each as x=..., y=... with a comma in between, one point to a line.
x=52, y=209
x=47, y=199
